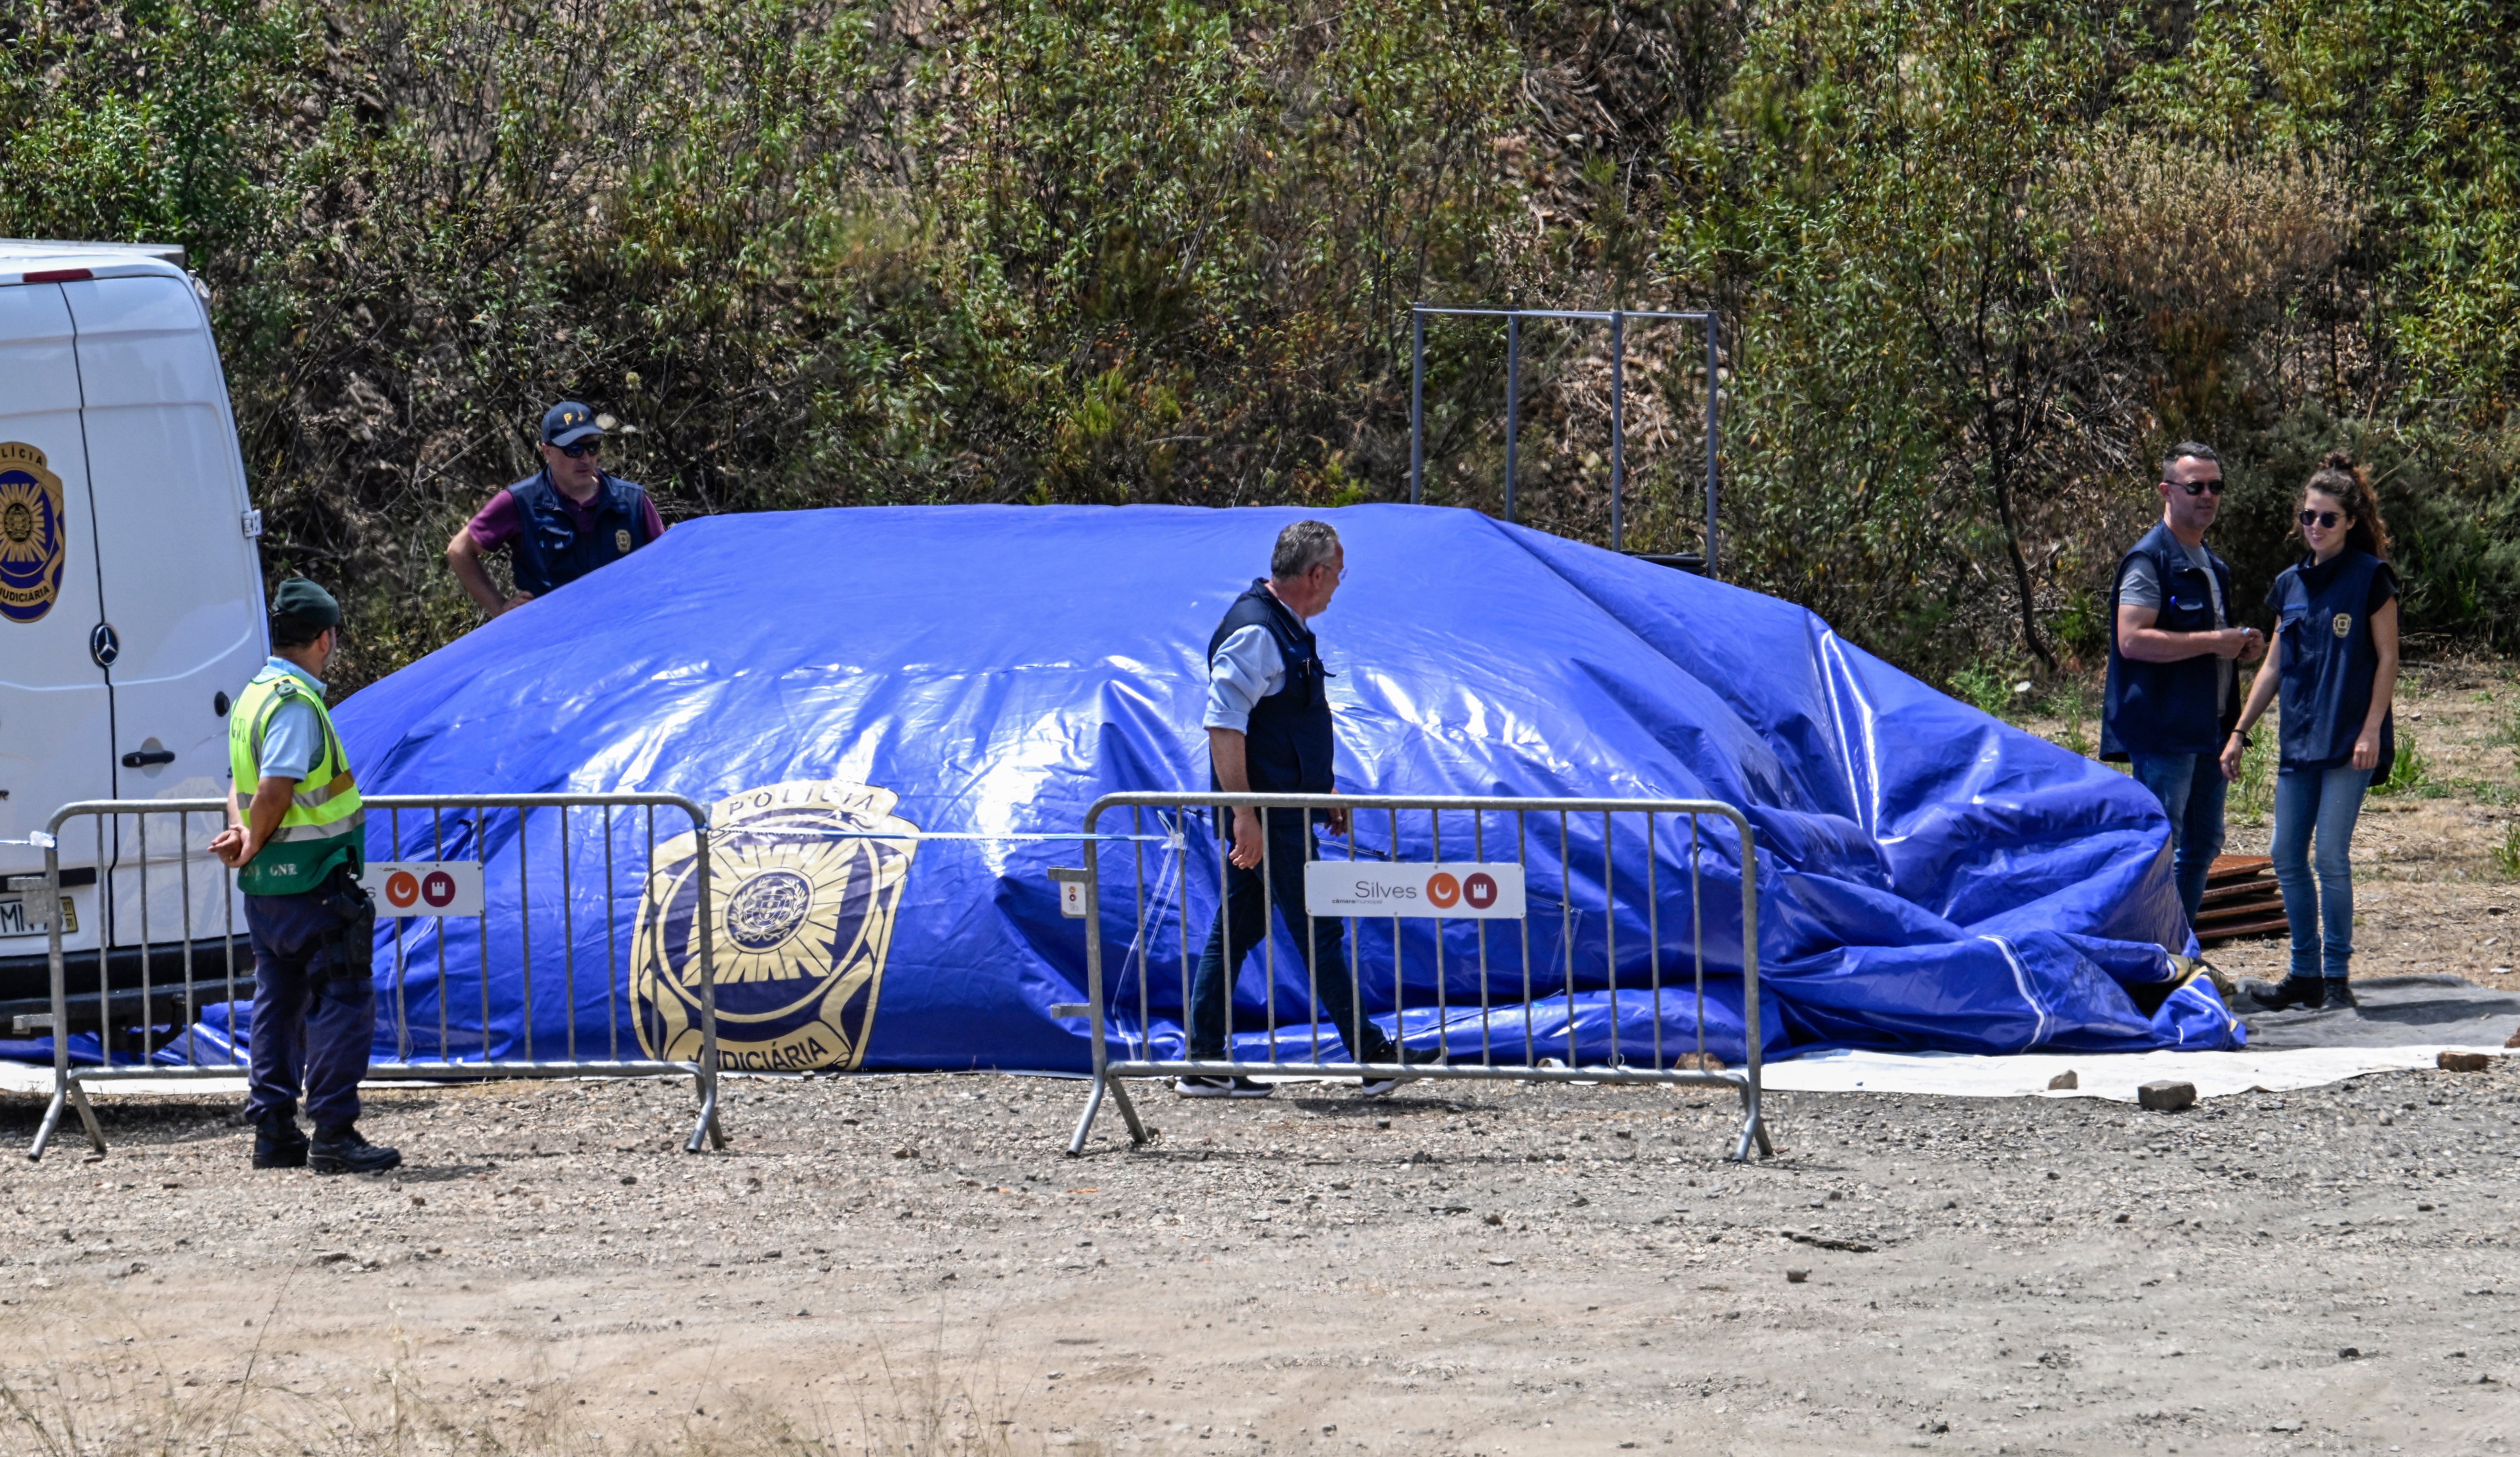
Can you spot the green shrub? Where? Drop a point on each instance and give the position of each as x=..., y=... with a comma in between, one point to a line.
x=2251, y=797
x=840, y=252
x=1988, y=688
x=2409, y=774
x=2507, y=852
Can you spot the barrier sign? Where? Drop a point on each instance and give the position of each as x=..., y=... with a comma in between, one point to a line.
x=1468, y=889
x=424, y=887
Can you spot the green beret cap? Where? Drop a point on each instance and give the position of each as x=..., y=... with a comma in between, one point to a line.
x=306, y=603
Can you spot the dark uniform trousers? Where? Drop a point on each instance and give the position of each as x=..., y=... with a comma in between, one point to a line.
x=1242, y=925
x=314, y=1037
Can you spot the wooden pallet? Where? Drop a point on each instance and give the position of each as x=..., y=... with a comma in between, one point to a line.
x=2241, y=899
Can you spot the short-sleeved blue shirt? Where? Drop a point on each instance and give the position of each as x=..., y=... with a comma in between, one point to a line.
x=294, y=738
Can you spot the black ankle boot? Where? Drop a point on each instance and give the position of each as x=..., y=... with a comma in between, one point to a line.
x=2339, y=994
x=340, y=1150
x=277, y=1143
x=2306, y=992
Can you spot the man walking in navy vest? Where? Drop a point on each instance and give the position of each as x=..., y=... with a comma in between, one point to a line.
x=558, y=524
x=2170, y=700
x=1269, y=732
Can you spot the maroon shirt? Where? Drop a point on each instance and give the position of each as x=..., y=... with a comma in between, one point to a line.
x=496, y=524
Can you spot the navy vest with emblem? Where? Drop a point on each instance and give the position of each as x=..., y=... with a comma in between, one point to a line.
x=551, y=553
x=2329, y=660
x=2168, y=708
x=1289, y=744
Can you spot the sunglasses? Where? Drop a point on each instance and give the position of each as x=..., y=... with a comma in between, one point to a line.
x=581, y=450
x=2323, y=520
x=2196, y=487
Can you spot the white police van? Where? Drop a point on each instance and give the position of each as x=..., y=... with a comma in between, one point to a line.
x=131, y=609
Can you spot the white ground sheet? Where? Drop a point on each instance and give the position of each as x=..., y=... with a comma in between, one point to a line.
x=1947, y=1074
x=2113, y=1075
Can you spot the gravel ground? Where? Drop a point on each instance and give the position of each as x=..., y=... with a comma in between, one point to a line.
x=894, y=1264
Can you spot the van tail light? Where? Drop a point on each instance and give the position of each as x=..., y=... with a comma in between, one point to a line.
x=59, y=275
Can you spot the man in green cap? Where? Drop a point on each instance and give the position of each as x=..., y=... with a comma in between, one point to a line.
x=298, y=850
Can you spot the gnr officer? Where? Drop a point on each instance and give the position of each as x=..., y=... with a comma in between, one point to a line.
x=298, y=849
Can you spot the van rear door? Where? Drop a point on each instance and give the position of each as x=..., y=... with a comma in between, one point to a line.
x=182, y=587
x=56, y=712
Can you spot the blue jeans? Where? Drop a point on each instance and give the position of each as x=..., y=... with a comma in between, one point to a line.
x=1240, y=924
x=2324, y=803
x=313, y=1037
x=2190, y=788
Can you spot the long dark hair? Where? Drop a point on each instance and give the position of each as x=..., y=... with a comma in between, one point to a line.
x=2350, y=484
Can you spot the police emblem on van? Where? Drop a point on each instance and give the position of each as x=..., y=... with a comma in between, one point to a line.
x=803, y=914
x=33, y=541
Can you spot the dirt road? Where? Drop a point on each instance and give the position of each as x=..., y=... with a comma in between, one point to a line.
x=908, y=1263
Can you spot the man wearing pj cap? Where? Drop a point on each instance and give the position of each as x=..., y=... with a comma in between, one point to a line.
x=558, y=524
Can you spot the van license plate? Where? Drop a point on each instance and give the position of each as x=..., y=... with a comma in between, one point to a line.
x=14, y=921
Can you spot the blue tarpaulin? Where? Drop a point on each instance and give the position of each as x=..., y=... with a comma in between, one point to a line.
x=838, y=683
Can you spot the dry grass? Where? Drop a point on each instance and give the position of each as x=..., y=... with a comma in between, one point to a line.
x=2175, y=229
x=930, y=1401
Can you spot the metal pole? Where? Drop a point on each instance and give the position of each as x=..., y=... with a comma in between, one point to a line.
x=60, y=989
x=1618, y=423
x=1513, y=402
x=708, y=1128
x=1755, y=1128
x=1713, y=394
x=1416, y=403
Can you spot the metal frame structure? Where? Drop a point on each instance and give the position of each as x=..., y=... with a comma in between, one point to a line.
x=68, y=1083
x=1656, y=1064
x=1617, y=319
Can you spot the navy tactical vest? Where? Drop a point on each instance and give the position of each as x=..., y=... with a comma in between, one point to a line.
x=2168, y=708
x=551, y=553
x=1289, y=744
x=2329, y=660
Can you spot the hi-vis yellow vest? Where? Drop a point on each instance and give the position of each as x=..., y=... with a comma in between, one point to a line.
x=324, y=825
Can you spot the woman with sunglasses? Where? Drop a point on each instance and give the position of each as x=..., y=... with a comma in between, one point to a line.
x=2336, y=658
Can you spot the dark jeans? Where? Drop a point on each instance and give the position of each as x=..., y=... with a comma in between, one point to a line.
x=1243, y=918
x=314, y=1037
x=2318, y=904
x=2190, y=788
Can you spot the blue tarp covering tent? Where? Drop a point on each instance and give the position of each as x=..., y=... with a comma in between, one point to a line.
x=1929, y=877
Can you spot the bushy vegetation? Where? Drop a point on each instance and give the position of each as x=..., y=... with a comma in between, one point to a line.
x=1977, y=262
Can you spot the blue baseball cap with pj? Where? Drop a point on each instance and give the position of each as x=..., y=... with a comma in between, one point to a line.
x=568, y=422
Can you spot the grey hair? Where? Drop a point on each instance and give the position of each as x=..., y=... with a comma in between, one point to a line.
x=1301, y=548
x=2187, y=450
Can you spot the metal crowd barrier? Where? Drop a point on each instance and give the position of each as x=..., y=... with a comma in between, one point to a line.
x=127, y=873
x=1525, y=1057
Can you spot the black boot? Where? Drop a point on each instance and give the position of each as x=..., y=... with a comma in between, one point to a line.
x=2306, y=992
x=2340, y=993
x=277, y=1143
x=340, y=1150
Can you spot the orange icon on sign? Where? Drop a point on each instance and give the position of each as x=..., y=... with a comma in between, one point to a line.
x=402, y=888
x=1443, y=890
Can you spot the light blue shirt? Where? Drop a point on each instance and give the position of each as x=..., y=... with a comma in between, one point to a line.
x=294, y=738
x=1246, y=670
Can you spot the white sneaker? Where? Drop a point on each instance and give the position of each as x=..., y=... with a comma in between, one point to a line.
x=1221, y=1087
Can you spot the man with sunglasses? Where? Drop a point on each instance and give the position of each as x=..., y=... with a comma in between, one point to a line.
x=558, y=524
x=2169, y=702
